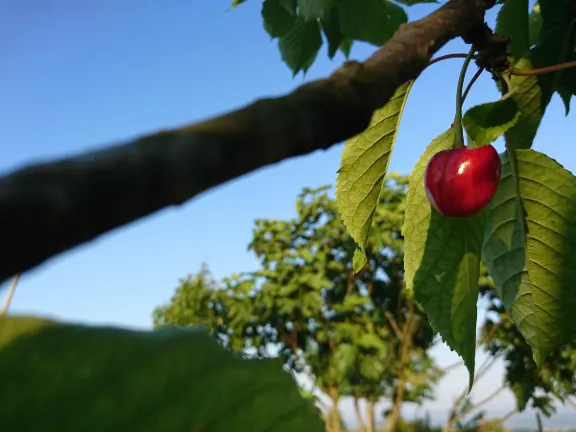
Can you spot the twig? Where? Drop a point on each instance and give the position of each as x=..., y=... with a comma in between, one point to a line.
x=544, y=70
x=478, y=405
x=471, y=83
x=10, y=294
x=393, y=324
x=59, y=205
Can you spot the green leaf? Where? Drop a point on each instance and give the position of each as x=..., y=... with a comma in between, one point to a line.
x=535, y=24
x=313, y=9
x=556, y=44
x=513, y=21
x=277, y=20
x=290, y=6
x=442, y=261
x=413, y=2
x=527, y=93
x=359, y=260
x=346, y=46
x=363, y=168
x=566, y=96
x=331, y=25
x=530, y=251
x=300, y=46
x=373, y=21
x=60, y=378
x=485, y=123
x=236, y=3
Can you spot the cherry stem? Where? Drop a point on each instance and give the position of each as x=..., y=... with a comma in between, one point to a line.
x=471, y=83
x=544, y=70
x=459, y=132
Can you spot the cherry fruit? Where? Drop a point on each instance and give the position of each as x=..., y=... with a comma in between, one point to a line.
x=462, y=181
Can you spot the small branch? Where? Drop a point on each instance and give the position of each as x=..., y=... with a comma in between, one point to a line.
x=507, y=416
x=10, y=294
x=452, y=366
x=471, y=83
x=539, y=422
x=544, y=70
x=478, y=405
x=393, y=324
x=49, y=208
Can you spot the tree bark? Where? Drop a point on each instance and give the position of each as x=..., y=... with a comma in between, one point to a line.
x=335, y=414
x=359, y=419
x=393, y=416
x=49, y=208
x=370, y=423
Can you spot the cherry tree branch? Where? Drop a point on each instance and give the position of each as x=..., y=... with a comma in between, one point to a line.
x=49, y=208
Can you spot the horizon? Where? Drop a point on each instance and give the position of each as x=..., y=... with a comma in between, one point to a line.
x=70, y=87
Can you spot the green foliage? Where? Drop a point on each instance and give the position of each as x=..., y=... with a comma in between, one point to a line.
x=524, y=235
x=300, y=44
x=442, y=262
x=487, y=122
x=513, y=22
x=555, y=380
x=363, y=168
x=180, y=378
x=529, y=251
x=353, y=333
x=373, y=21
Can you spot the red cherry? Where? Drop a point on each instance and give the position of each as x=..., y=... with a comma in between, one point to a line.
x=462, y=181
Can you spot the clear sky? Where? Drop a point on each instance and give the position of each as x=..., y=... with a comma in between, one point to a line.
x=77, y=75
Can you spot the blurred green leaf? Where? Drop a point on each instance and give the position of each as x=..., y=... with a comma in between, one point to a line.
x=373, y=21
x=45, y=367
x=513, y=21
x=300, y=46
x=277, y=19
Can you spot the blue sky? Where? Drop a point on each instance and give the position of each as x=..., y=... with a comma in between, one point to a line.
x=78, y=75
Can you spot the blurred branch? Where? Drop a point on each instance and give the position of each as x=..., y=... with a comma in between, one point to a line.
x=49, y=208
x=10, y=294
x=474, y=407
x=393, y=324
x=486, y=365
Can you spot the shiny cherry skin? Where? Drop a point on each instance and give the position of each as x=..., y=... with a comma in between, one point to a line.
x=462, y=181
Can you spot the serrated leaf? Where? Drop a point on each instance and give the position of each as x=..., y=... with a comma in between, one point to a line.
x=485, y=123
x=535, y=24
x=442, y=261
x=331, y=26
x=529, y=248
x=277, y=20
x=373, y=21
x=566, y=96
x=363, y=167
x=299, y=47
x=313, y=9
x=513, y=21
x=526, y=92
x=359, y=260
x=70, y=378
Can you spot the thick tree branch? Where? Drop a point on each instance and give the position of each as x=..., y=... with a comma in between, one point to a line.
x=46, y=209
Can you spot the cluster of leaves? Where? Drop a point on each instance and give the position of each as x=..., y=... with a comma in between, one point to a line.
x=356, y=335
x=524, y=236
x=300, y=24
